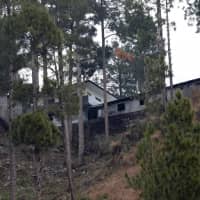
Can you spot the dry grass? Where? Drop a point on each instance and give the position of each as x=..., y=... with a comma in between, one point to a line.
x=115, y=186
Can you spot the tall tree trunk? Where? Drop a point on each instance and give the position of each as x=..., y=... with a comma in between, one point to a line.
x=68, y=158
x=60, y=66
x=70, y=77
x=120, y=81
x=45, y=80
x=169, y=49
x=38, y=178
x=35, y=82
x=80, y=120
x=13, y=176
x=161, y=49
x=61, y=84
x=66, y=130
x=104, y=74
x=56, y=69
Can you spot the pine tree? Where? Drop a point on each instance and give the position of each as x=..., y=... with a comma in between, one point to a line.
x=170, y=168
x=35, y=30
x=40, y=32
x=9, y=65
x=78, y=29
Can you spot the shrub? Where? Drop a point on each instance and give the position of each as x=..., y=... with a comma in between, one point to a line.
x=100, y=146
x=35, y=129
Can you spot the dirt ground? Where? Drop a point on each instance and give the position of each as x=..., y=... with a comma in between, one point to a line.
x=98, y=179
x=115, y=186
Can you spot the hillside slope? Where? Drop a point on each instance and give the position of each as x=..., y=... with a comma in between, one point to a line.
x=115, y=186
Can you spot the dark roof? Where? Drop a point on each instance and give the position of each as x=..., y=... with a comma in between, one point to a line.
x=178, y=85
x=114, y=102
x=190, y=82
x=121, y=100
x=89, y=81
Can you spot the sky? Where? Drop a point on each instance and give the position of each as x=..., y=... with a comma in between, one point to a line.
x=185, y=45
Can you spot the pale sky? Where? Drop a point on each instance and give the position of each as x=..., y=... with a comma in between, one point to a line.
x=185, y=45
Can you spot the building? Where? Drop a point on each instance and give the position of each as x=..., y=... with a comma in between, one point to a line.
x=117, y=107
x=93, y=99
x=123, y=106
x=188, y=88
x=94, y=94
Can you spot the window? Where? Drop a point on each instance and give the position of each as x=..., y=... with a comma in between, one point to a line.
x=92, y=113
x=121, y=107
x=51, y=100
x=98, y=99
x=141, y=102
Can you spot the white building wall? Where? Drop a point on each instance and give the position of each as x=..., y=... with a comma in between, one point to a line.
x=95, y=94
x=134, y=106
x=94, y=100
x=130, y=106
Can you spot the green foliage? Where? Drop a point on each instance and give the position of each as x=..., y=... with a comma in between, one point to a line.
x=170, y=158
x=39, y=28
x=35, y=129
x=179, y=113
x=192, y=12
x=9, y=32
x=138, y=28
x=155, y=68
x=154, y=84
x=49, y=87
x=23, y=92
x=137, y=32
x=79, y=33
x=124, y=77
x=4, y=196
